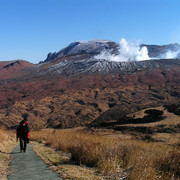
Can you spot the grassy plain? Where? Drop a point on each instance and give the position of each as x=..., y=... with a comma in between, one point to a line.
x=110, y=153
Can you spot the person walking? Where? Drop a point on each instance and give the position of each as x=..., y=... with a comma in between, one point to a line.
x=23, y=133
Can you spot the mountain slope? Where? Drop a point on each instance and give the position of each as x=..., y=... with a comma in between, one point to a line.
x=156, y=51
x=95, y=47
x=101, y=66
x=79, y=100
x=74, y=88
x=90, y=48
x=12, y=69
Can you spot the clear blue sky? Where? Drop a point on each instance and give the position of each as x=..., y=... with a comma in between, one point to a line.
x=30, y=29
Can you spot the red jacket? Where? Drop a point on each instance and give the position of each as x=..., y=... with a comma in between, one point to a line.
x=23, y=130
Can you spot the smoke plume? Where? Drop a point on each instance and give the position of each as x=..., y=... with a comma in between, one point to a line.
x=127, y=52
x=134, y=52
x=171, y=54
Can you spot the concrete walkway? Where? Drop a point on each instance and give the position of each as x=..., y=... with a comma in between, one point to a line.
x=28, y=166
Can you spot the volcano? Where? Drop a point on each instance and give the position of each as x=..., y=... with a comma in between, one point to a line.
x=73, y=87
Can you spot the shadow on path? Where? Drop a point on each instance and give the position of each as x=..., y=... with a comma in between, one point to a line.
x=27, y=165
x=9, y=153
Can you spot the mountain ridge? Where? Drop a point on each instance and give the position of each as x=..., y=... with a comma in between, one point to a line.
x=95, y=47
x=78, y=89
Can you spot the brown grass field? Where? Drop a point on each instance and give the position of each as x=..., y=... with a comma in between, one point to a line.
x=7, y=143
x=113, y=154
x=99, y=153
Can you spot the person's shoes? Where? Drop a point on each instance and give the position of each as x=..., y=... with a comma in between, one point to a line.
x=24, y=150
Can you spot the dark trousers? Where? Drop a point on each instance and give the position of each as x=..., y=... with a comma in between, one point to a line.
x=23, y=143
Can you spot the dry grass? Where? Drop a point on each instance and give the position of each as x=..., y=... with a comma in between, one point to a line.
x=7, y=143
x=113, y=156
x=60, y=162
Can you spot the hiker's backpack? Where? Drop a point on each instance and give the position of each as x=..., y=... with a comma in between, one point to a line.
x=23, y=130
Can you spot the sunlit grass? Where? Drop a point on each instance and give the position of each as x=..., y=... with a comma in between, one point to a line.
x=111, y=155
x=7, y=143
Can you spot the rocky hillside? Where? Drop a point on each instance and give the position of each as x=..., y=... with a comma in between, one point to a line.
x=88, y=49
x=101, y=66
x=156, y=51
x=73, y=88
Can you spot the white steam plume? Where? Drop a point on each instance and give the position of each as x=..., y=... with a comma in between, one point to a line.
x=127, y=52
x=171, y=55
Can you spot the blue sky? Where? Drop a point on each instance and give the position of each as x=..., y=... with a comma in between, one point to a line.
x=30, y=29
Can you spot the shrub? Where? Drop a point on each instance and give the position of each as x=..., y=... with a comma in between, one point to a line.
x=154, y=112
x=173, y=108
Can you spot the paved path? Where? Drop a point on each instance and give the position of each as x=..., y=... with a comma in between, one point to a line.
x=28, y=166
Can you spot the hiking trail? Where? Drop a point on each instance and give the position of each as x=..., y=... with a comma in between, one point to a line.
x=27, y=165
